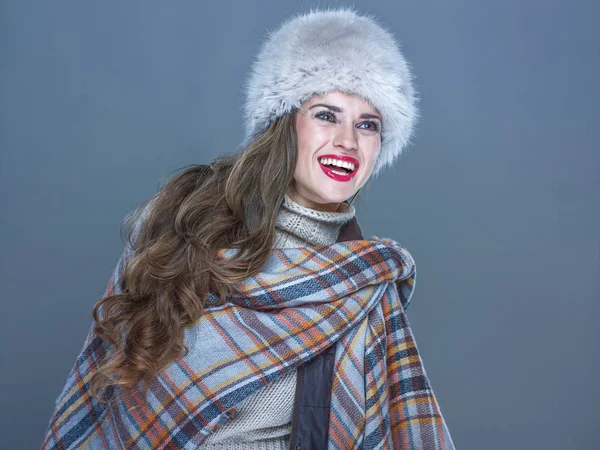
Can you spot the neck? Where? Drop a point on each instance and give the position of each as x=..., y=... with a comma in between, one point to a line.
x=307, y=203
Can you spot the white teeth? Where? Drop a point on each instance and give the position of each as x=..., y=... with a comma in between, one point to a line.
x=336, y=162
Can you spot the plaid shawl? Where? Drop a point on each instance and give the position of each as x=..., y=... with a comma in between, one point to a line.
x=350, y=294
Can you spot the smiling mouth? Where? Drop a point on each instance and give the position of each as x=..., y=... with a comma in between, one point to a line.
x=339, y=168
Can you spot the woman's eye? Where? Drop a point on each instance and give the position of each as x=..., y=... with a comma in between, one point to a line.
x=325, y=116
x=373, y=126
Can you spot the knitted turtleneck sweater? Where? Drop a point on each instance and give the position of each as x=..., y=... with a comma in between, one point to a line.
x=264, y=421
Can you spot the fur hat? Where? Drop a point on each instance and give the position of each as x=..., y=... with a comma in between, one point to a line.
x=325, y=50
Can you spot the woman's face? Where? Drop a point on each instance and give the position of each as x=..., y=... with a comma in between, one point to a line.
x=338, y=142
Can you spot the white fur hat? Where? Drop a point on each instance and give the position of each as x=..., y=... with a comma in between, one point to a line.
x=325, y=50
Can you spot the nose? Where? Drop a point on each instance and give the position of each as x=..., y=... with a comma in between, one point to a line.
x=345, y=137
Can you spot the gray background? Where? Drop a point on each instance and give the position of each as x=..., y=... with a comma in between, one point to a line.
x=497, y=198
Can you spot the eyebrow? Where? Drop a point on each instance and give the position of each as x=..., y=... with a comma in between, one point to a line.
x=338, y=109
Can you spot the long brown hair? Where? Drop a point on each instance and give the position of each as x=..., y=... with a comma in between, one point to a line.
x=233, y=203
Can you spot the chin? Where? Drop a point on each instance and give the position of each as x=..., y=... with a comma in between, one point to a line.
x=336, y=192
x=337, y=198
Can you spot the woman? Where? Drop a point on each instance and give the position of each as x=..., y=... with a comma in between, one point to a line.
x=248, y=312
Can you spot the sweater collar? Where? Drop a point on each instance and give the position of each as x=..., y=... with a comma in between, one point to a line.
x=312, y=226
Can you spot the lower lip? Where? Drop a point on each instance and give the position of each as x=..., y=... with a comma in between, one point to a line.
x=336, y=176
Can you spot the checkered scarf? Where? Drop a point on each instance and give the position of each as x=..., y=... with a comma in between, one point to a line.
x=352, y=295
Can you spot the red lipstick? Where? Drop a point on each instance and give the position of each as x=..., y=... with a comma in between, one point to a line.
x=337, y=176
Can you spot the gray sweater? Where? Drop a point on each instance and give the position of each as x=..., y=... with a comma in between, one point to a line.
x=264, y=421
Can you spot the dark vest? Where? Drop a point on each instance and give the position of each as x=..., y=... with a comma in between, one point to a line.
x=310, y=419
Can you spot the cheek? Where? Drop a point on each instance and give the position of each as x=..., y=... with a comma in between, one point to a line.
x=302, y=136
x=310, y=137
x=372, y=149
